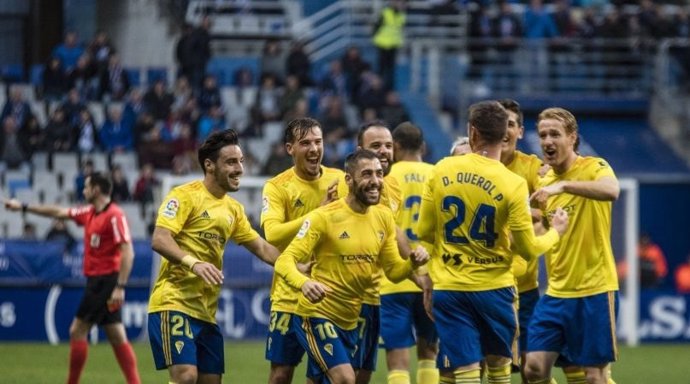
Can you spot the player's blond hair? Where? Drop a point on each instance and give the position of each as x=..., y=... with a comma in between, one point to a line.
x=565, y=117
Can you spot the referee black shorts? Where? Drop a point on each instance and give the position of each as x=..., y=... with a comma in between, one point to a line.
x=94, y=304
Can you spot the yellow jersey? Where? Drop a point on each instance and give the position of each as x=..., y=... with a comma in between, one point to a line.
x=201, y=225
x=582, y=264
x=526, y=273
x=390, y=198
x=349, y=249
x=287, y=198
x=469, y=207
x=410, y=176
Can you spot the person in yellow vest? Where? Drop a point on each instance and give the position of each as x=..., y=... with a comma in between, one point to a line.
x=388, y=37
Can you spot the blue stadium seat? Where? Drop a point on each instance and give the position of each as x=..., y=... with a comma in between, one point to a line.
x=134, y=75
x=36, y=75
x=154, y=74
x=12, y=72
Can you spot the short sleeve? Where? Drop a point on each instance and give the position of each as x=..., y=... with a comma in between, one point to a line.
x=174, y=211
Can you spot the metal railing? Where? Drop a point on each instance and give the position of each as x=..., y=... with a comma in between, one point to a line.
x=350, y=22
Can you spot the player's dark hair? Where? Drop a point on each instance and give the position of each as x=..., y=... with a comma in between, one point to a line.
x=366, y=126
x=490, y=119
x=513, y=106
x=298, y=128
x=102, y=181
x=212, y=145
x=565, y=117
x=353, y=159
x=408, y=136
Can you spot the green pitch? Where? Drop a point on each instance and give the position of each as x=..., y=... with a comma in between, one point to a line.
x=42, y=363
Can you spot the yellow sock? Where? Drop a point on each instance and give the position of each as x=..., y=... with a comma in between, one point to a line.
x=608, y=375
x=577, y=377
x=499, y=375
x=427, y=372
x=397, y=376
x=467, y=376
x=447, y=380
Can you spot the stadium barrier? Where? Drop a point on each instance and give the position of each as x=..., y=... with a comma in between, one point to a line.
x=40, y=292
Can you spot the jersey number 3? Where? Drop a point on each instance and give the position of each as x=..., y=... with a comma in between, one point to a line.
x=481, y=226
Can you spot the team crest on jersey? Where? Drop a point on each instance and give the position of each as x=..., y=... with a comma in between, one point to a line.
x=171, y=208
x=328, y=348
x=381, y=235
x=264, y=204
x=230, y=219
x=303, y=230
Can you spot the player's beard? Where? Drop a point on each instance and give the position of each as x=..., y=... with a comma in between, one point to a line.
x=224, y=181
x=362, y=197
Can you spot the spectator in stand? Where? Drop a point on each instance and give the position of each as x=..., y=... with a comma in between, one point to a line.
x=481, y=32
x=134, y=105
x=679, y=52
x=373, y=95
x=393, y=112
x=388, y=37
x=87, y=169
x=29, y=232
x=353, y=65
x=298, y=64
x=12, y=152
x=158, y=101
x=277, y=161
x=17, y=107
x=72, y=107
x=334, y=82
x=273, y=62
x=210, y=94
x=184, y=151
x=69, y=51
x=100, y=50
x=300, y=110
x=59, y=133
x=120, y=185
x=266, y=107
x=200, y=52
x=86, y=133
x=292, y=94
x=507, y=28
x=182, y=93
x=58, y=232
x=114, y=82
x=183, y=52
x=333, y=118
x=653, y=266
x=54, y=81
x=117, y=134
x=84, y=78
x=682, y=276
x=32, y=136
x=145, y=186
x=243, y=80
x=210, y=122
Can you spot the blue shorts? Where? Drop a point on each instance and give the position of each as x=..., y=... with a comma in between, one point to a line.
x=472, y=325
x=327, y=345
x=282, y=346
x=368, y=329
x=403, y=319
x=177, y=338
x=528, y=301
x=582, y=329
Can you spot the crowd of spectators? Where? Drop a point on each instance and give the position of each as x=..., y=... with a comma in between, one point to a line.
x=502, y=26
